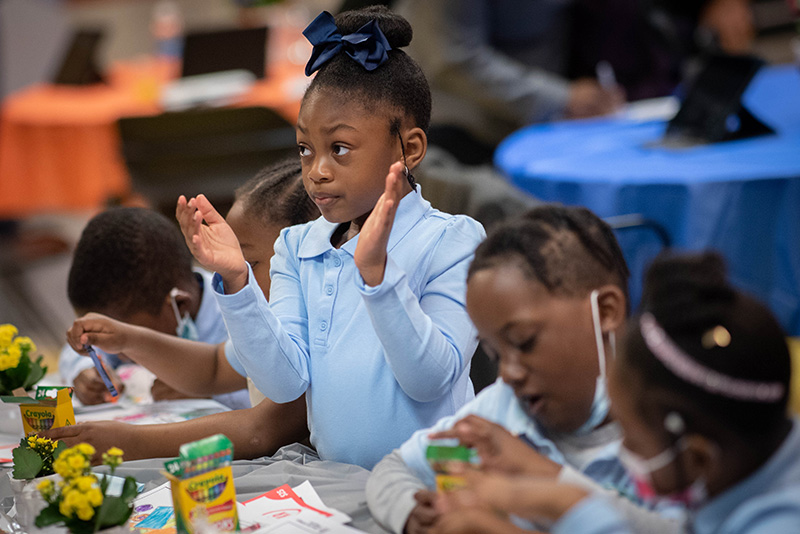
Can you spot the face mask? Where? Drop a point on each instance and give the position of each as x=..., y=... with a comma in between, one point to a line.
x=600, y=403
x=641, y=472
x=187, y=329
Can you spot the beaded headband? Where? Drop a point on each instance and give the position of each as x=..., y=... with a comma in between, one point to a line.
x=686, y=368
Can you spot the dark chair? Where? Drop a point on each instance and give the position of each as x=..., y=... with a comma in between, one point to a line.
x=641, y=240
x=209, y=151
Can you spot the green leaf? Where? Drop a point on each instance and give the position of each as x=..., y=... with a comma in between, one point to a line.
x=129, y=489
x=36, y=373
x=60, y=447
x=114, y=511
x=27, y=463
x=49, y=516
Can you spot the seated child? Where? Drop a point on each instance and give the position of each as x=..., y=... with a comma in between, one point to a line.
x=366, y=308
x=547, y=293
x=131, y=264
x=273, y=199
x=700, y=389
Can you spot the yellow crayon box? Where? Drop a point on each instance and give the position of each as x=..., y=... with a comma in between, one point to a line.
x=50, y=408
x=202, y=487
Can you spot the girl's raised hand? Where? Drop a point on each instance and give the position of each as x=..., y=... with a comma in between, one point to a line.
x=213, y=244
x=370, y=254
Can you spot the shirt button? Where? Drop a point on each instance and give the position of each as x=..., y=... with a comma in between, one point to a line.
x=323, y=326
x=329, y=290
x=337, y=262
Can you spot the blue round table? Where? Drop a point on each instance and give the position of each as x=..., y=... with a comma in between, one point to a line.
x=741, y=198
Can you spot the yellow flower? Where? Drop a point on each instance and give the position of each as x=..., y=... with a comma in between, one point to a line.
x=14, y=353
x=85, y=512
x=112, y=457
x=85, y=449
x=95, y=497
x=7, y=333
x=25, y=343
x=46, y=488
x=84, y=483
x=7, y=361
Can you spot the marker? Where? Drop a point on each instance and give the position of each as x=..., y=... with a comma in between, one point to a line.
x=98, y=364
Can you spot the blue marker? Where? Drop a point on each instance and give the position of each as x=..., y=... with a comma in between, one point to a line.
x=101, y=370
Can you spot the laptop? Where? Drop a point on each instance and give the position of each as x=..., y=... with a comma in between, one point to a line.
x=712, y=110
x=79, y=64
x=205, y=52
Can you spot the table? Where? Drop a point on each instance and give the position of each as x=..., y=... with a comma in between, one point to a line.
x=59, y=146
x=739, y=197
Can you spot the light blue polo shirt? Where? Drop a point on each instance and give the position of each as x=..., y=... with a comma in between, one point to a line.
x=498, y=404
x=766, y=502
x=376, y=363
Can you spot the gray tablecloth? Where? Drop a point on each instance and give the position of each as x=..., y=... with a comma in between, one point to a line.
x=340, y=486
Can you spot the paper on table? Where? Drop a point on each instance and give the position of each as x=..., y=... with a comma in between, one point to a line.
x=284, y=501
x=307, y=523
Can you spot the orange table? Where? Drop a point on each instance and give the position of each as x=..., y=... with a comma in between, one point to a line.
x=59, y=146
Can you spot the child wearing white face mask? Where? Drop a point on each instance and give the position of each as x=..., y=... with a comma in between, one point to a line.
x=700, y=390
x=132, y=265
x=547, y=293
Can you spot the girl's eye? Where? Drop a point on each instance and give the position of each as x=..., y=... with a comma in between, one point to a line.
x=339, y=150
x=303, y=151
x=527, y=345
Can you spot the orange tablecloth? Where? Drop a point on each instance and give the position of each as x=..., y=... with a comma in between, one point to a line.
x=59, y=146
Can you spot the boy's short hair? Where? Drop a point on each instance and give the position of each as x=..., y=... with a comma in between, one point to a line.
x=127, y=260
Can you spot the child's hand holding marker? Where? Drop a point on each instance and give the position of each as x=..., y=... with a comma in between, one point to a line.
x=101, y=370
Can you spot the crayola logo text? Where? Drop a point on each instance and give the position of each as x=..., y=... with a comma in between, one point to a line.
x=45, y=414
x=200, y=484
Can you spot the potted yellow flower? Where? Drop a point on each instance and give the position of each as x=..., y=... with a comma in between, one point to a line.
x=17, y=368
x=33, y=460
x=80, y=501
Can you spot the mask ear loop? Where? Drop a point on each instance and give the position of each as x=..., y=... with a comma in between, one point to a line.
x=598, y=334
x=173, y=294
x=410, y=177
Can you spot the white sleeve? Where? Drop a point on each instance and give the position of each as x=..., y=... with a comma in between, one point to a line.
x=71, y=364
x=390, y=492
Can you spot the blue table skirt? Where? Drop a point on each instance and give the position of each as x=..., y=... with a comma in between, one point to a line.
x=741, y=197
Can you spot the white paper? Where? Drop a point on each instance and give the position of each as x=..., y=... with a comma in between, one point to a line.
x=307, y=523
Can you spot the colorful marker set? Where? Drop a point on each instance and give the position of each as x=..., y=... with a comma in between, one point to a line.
x=202, y=484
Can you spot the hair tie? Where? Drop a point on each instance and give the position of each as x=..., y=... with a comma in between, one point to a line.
x=367, y=46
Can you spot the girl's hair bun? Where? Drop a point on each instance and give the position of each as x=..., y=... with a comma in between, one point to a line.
x=675, y=283
x=396, y=28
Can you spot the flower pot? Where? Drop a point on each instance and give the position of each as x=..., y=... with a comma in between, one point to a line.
x=27, y=501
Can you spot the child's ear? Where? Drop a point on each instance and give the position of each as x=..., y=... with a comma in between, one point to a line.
x=613, y=307
x=416, y=145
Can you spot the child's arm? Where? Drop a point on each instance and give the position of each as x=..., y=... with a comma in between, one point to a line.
x=428, y=339
x=254, y=432
x=191, y=367
x=370, y=254
x=213, y=244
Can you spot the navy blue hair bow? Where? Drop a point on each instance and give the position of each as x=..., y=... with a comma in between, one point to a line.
x=368, y=46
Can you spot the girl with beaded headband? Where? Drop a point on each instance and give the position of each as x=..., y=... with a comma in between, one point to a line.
x=366, y=311
x=700, y=388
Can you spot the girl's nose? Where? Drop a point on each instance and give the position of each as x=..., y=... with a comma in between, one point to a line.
x=512, y=371
x=319, y=171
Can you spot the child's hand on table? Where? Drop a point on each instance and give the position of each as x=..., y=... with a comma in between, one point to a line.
x=102, y=435
x=423, y=515
x=498, y=449
x=213, y=244
x=90, y=388
x=370, y=254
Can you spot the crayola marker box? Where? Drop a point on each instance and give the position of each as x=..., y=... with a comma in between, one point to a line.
x=50, y=408
x=201, y=481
